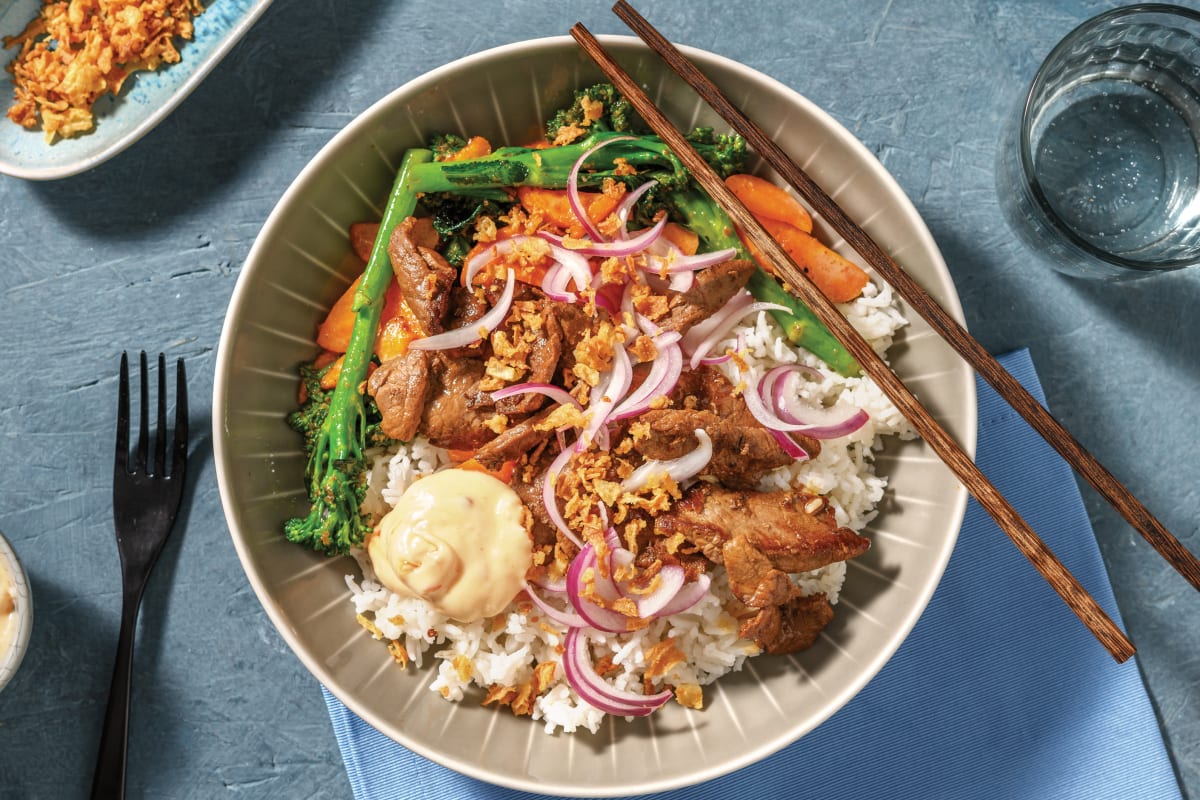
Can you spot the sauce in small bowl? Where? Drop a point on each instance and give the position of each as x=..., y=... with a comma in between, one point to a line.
x=16, y=612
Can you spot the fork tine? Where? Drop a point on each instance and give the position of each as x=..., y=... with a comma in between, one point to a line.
x=143, y=442
x=181, y=421
x=160, y=438
x=122, y=463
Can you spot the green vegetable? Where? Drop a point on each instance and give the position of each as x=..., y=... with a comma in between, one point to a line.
x=616, y=114
x=697, y=211
x=336, y=470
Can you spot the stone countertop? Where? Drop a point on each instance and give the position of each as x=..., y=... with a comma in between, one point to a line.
x=143, y=252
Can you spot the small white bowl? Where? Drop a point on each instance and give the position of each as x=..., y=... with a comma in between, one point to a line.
x=11, y=655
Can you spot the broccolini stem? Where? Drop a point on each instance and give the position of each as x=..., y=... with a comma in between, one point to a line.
x=336, y=466
x=716, y=230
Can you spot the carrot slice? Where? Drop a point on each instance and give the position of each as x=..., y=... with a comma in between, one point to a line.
x=476, y=147
x=682, y=238
x=334, y=333
x=505, y=473
x=555, y=208
x=765, y=199
x=838, y=279
x=397, y=330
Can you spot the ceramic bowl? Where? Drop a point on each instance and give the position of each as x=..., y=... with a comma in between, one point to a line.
x=12, y=654
x=301, y=262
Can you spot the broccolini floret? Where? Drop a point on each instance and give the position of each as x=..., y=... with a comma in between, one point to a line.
x=596, y=108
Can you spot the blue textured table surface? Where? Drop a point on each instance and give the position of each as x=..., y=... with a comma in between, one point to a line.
x=143, y=253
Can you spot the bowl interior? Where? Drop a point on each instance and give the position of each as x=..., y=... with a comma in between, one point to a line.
x=301, y=264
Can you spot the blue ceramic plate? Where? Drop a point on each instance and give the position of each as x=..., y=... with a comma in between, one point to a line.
x=145, y=100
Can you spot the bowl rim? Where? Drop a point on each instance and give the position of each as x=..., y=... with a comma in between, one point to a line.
x=954, y=511
x=10, y=662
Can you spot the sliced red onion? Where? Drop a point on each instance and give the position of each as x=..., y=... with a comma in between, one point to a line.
x=714, y=360
x=682, y=263
x=670, y=580
x=573, y=198
x=605, y=395
x=619, y=249
x=568, y=618
x=593, y=690
x=687, y=596
x=680, y=469
x=659, y=382
x=554, y=587
x=681, y=281
x=704, y=337
x=599, y=618
x=818, y=422
x=550, y=499
x=789, y=445
x=474, y=331
x=554, y=284
x=625, y=207
x=555, y=393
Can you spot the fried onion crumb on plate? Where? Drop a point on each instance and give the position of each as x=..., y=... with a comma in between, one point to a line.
x=75, y=52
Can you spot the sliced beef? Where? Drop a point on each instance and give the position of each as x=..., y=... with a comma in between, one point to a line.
x=425, y=278
x=400, y=387
x=711, y=290
x=754, y=580
x=457, y=411
x=516, y=441
x=742, y=452
x=775, y=523
x=788, y=628
x=543, y=361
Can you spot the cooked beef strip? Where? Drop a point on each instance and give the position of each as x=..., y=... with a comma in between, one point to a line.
x=711, y=290
x=514, y=442
x=741, y=453
x=743, y=450
x=456, y=414
x=425, y=278
x=753, y=579
x=775, y=523
x=543, y=362
x=400, y=387
x=791, y=627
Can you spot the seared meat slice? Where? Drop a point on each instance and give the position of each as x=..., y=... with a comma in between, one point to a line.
x=510, y=445
x=752, y=578
x=543, y=362
x=775, y=523
x=530, y=492
x=712, y=289
x=741, y=452
x=456, y=414
x=425, y=278
x=791, y=627
x=400, y=388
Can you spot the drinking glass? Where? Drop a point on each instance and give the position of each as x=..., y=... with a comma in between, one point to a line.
x=1101, y=173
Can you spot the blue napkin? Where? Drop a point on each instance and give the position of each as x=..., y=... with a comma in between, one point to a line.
x=998, y=692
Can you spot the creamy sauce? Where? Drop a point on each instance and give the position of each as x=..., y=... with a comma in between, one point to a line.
x=455, y=539
x=8, y=612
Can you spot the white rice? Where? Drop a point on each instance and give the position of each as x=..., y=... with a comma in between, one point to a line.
x=505, y=649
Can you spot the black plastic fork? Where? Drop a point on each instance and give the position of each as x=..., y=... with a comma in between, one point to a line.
x=145, y=503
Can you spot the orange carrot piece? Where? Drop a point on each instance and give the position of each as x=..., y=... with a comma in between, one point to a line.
x=682, y=238
x=397, y=330
x=505, y=473
x=838, y=279
x=476, y=147
x=330, y=378
x=334, y=333
x=555, y=208
x=765, y=199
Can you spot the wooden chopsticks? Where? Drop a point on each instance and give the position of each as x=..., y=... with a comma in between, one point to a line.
x=1059, y=578
x=947, y=327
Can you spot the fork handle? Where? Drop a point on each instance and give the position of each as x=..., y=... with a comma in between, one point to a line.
x=108, y=782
